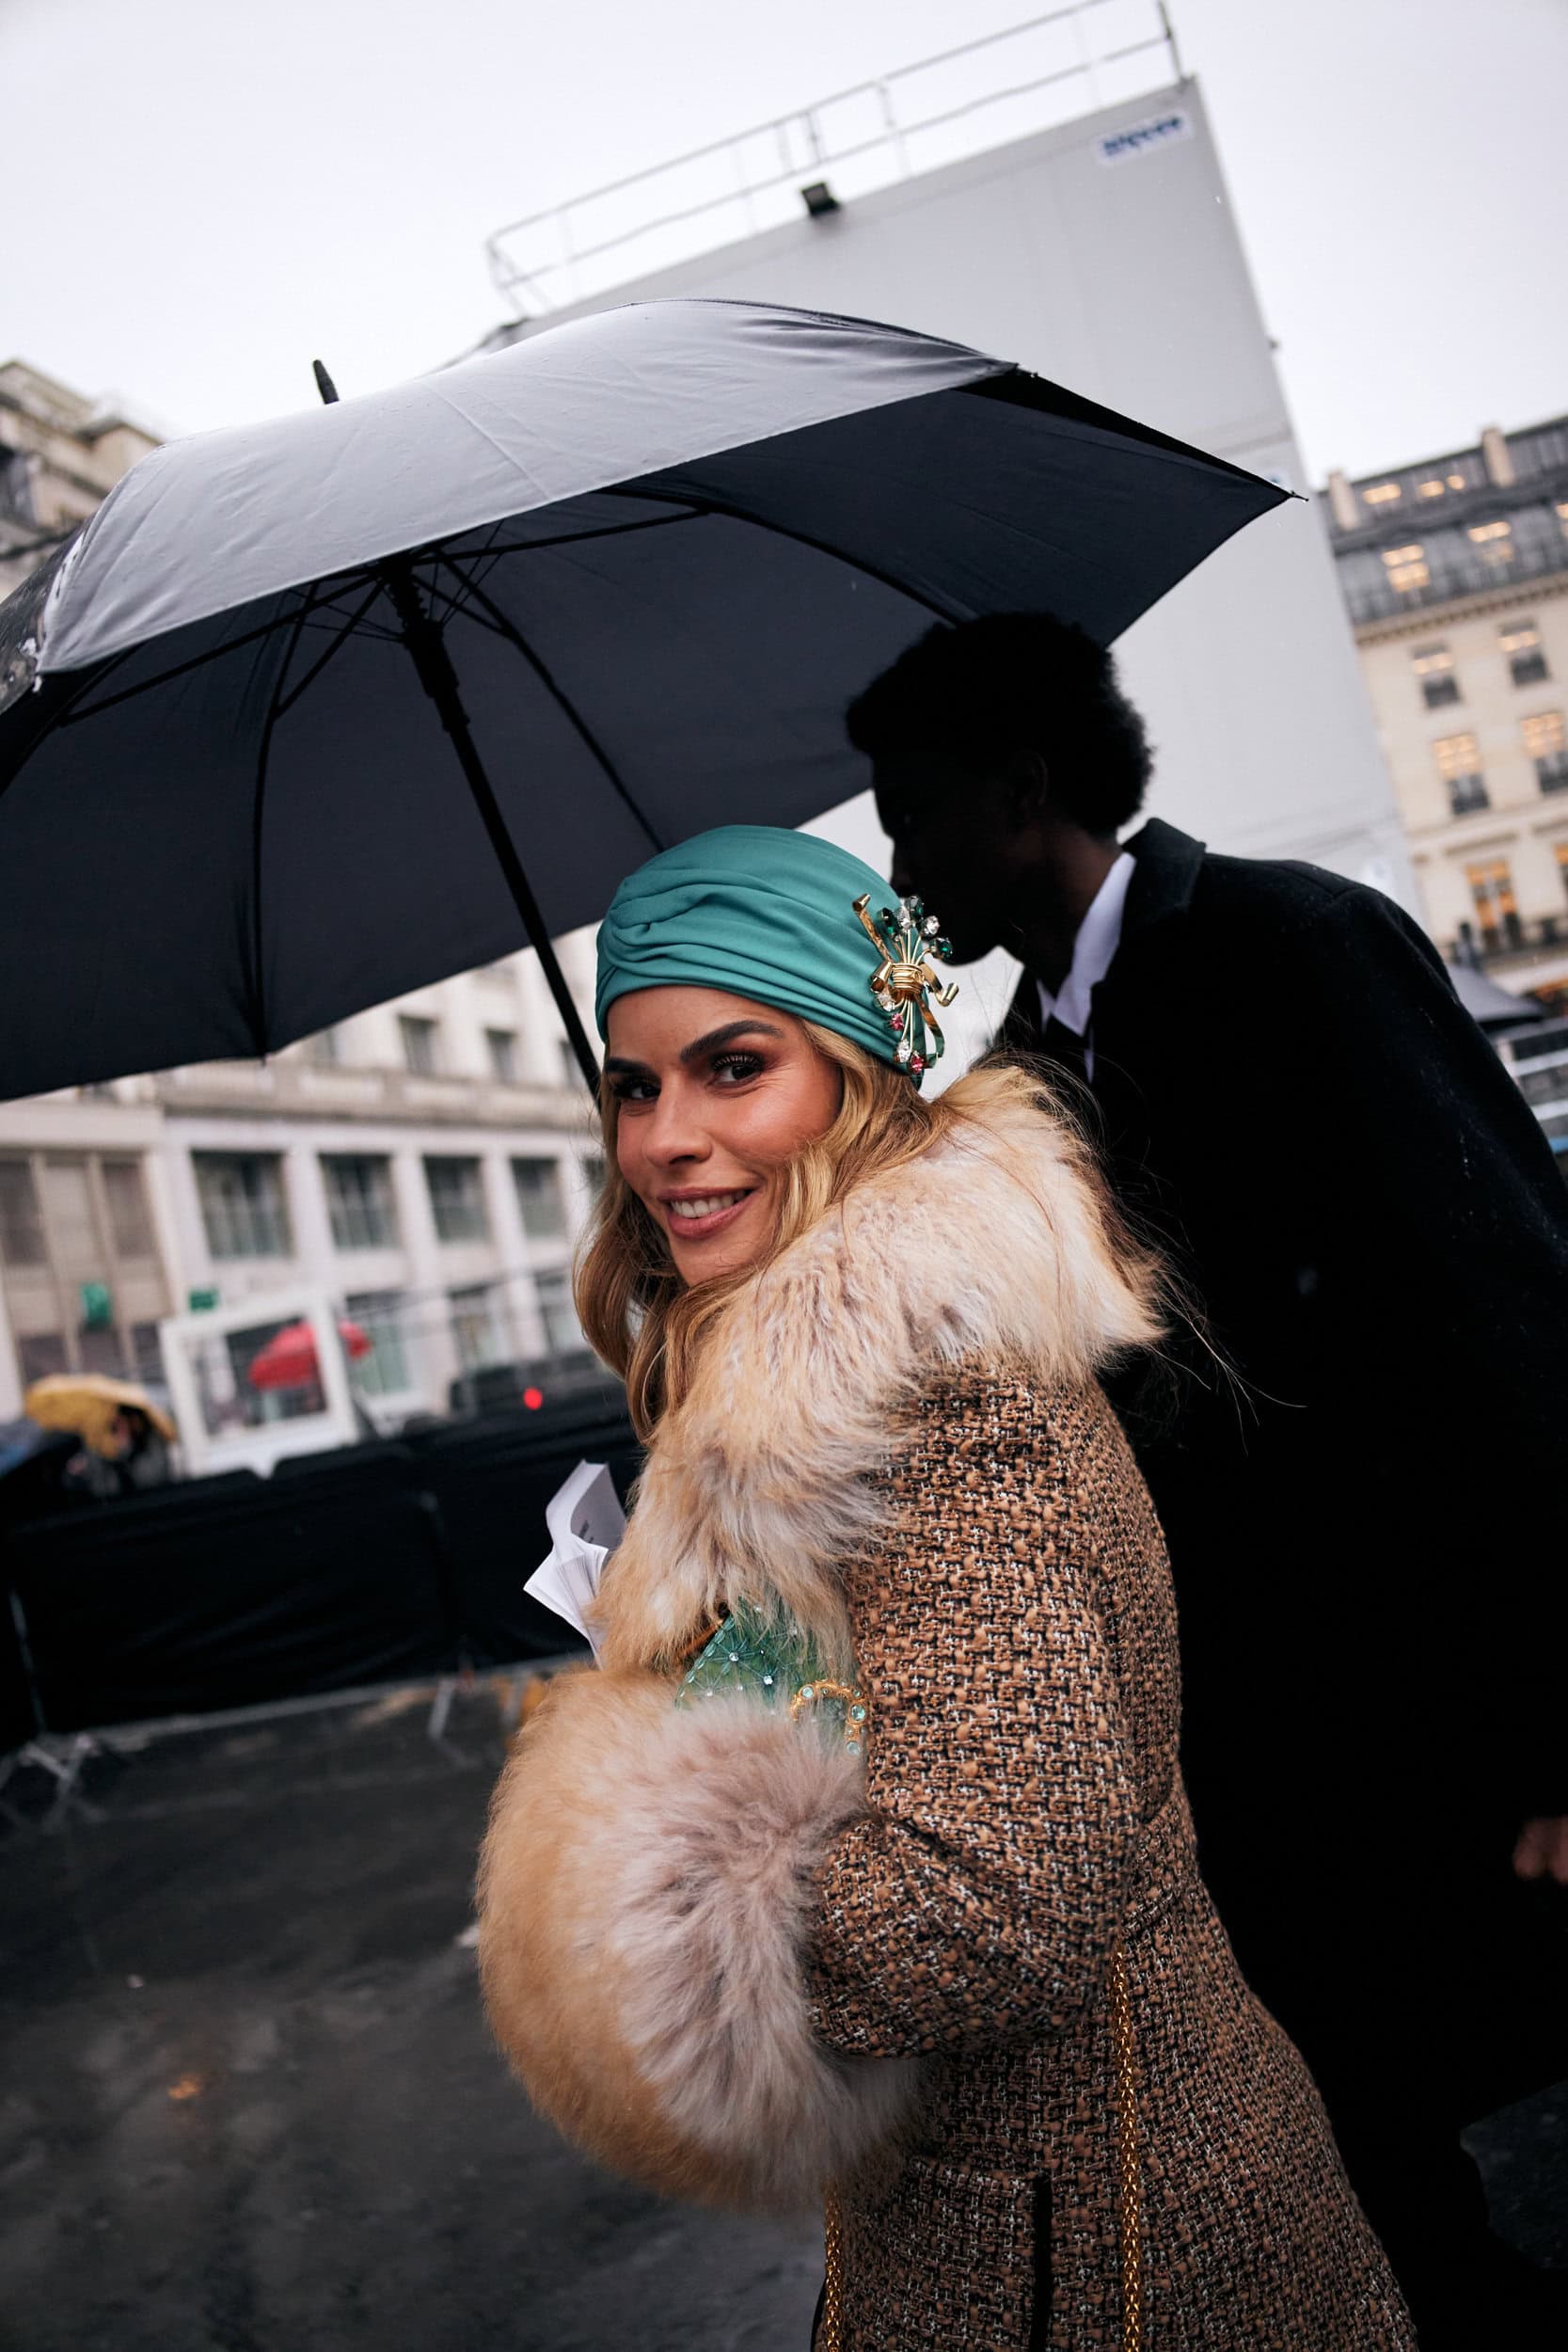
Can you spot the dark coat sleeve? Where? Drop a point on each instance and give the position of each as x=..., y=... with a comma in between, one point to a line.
x=1450, y=1218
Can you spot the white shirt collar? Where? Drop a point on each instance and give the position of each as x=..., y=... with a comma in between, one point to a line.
x=1093, y=952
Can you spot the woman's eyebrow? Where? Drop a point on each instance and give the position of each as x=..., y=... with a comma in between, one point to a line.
x=622, y=1068
x=701, y=1045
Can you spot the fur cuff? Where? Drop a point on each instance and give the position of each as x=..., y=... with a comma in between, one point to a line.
x=646, y=1901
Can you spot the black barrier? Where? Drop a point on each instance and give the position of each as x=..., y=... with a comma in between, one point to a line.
x=490, y=1481
x=380, y=1562
x=19, y=1720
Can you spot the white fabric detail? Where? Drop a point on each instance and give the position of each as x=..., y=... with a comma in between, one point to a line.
x=1093, y=953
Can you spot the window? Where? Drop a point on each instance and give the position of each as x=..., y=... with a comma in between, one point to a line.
x=98, y=1349
x=1562, y=863
x=1494, y=541
x=325, y=1049
x=1562, y=516
x=1492, y=889
x=20, y=1226
x=1526, y=657
x=1431, y=488
x=562, y=1331
x=1381, y=494
x=242, y=1206
x=475, y=1330
x=360, y=1199
x=379, y=1315
x=1458, y=758
x=1546, y=744
x=1407, y=568
x=68, y=1210
x=146, y=1356
x=540, y=1203
x=501, y=1046
x=123, y=1190
x=570, y=1069
x=1433, y=666
x=457, y=1200
x=419, y=1042
x=593, y=1173
x=38, y=1354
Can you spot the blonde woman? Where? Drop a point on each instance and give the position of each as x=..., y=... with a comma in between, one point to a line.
x=862, y=1873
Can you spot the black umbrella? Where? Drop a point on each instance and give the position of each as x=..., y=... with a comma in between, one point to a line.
x=633, y=567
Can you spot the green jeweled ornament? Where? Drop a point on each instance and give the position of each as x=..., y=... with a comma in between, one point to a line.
x=771, y=1659
x=904, y=983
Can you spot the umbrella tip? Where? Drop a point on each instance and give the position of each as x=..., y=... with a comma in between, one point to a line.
x=324, y=385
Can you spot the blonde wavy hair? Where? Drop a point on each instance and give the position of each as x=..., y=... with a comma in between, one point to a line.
x=646, y=1324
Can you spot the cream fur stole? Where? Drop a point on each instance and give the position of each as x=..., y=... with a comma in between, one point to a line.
x=647, y=1887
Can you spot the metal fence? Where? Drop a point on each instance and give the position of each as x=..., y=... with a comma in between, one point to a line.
x=1072, y=60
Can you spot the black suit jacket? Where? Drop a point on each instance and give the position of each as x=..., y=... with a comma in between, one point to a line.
x=1365, y=1522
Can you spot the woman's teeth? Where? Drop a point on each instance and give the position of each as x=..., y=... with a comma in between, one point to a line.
x=708, y=1205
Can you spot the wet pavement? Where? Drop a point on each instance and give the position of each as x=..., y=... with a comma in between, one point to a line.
x=250, y=2103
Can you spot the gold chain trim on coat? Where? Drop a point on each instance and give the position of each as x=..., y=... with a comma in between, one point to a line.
x=830, y=2336
x=1128, y=2165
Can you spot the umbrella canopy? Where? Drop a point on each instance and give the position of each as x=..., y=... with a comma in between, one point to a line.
x=640, y=562
x=289, y=1358
x=87, y=1401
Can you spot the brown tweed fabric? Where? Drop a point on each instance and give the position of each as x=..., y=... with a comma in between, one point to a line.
x=1016, y=1634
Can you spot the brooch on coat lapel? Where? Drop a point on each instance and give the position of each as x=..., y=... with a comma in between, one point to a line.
x=903, y=982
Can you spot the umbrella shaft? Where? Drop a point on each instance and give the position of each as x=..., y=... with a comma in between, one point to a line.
x=437, y=676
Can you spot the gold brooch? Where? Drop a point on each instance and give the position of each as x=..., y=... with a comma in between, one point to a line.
x=904, y=981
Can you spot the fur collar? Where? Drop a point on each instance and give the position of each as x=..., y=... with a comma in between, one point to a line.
x=993, y=1246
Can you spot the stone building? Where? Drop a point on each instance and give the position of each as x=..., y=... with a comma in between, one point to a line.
x=427, y=1165
x=59, y=452
x=1455, y=573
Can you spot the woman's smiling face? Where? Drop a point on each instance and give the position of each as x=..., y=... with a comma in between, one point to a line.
x=716, y=1094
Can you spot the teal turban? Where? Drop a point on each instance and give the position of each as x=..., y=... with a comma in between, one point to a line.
x=758, y=911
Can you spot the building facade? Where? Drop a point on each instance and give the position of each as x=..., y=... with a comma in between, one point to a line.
x=427, y=1165
x=59, y=452
x=1455, y=575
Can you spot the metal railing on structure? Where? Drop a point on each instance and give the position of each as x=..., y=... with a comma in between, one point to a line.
x=1514, y=936
x=1093, y=52
x=1450, y=582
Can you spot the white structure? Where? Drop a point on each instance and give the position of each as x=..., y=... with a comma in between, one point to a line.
x=1101, y=253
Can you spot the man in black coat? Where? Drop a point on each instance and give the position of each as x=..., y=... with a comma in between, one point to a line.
x=1357, y=1445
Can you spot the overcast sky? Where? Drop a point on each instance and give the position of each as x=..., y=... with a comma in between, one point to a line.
x=202, y=195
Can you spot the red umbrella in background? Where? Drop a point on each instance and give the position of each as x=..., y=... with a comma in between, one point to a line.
x=289, y=1358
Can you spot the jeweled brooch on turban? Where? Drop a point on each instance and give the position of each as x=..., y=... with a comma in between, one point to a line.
x=904, y=983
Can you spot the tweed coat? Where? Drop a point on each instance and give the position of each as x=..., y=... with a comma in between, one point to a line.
x=738, y=1962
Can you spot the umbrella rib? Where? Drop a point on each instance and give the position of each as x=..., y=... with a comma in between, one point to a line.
x=197, y=661
x=690, y=512
x=821, y=547
x=350, y=623
x=572, y=716
x=325, y=604
x=264, y=755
